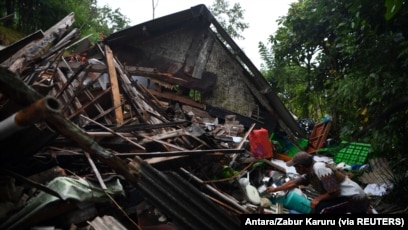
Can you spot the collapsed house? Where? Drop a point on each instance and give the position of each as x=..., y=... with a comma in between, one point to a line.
x=148, y=127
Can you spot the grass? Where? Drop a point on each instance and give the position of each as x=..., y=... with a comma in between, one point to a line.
x=8, y=36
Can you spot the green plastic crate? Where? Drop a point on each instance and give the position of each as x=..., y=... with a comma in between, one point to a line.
x=353, y=153
x=302, y=142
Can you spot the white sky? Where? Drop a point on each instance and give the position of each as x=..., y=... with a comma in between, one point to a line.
x=261, y=15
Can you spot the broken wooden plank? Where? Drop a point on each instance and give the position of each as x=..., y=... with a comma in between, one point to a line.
x=183, y=153
x=113, y=132
x=166, y=135
x=154, y=74
x=67, y=82
x=37, y=48
x=107, y=111
x=24, y=95
x=144, y=127
x=96, y=104
x=241, y=143
x=178, y=98
x=162, y=142
x=114, y=84
x=13, y=48
x=215, y=191
x=78, y=66
x=96, y=171
x=66, y=92
x=136, y=99
x=82, y=109
x=58, y=49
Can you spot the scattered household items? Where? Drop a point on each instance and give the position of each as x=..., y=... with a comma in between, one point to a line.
x=155, y=119
x=293, y=200
x=158, y=125
x=260, y=145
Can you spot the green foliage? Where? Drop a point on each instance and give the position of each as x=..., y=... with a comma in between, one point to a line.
x=393, y=6
x=9, y=36
x=109, y=20
x=34, y=15
x=347, y=59
x=229, y=18
x=400, y=176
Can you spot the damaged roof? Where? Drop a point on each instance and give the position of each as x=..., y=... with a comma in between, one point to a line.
x=153, y=119
x=193, y=46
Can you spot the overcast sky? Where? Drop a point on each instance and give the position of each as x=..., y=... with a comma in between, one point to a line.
x=261, y=15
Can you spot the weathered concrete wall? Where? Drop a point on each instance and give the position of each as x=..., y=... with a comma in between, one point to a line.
x=230, y=91
x=222, y=76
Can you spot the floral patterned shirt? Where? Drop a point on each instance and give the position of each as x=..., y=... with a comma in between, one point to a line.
x=325, y=179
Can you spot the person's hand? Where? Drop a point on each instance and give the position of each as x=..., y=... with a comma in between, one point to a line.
x=314, y=203
x=272, y=189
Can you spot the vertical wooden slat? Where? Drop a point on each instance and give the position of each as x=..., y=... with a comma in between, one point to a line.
x=66, y=91
x=114, y=84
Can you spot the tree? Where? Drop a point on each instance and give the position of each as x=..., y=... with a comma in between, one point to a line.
x=41, y=14
x=293, y=62
x=107, y=20
x=154, y=6
x=229, y=18
x=349, y=59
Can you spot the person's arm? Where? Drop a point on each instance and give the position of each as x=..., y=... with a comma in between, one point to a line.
x=286, y=186
x=324, y=196
x=330, y=184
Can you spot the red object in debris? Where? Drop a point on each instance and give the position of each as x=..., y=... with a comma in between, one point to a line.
x=259, y=144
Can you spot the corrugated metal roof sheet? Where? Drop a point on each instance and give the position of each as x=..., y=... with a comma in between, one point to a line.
x=181, y=201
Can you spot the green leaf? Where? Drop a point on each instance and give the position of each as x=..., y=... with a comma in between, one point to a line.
x=392, y=8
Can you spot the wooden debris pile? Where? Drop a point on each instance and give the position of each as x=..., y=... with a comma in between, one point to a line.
x=105, y=126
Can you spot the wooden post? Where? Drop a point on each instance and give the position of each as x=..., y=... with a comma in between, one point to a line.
x=115, y=85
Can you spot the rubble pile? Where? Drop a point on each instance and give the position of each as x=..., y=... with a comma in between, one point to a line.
x=90, y=142
x=85, y=143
